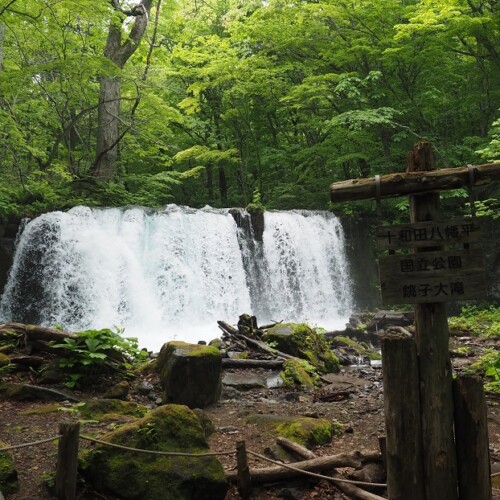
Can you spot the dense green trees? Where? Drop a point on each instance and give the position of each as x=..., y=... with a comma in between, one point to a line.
x=215, y=100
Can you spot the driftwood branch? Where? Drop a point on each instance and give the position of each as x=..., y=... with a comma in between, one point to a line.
x=233, y=332
x=402, y=184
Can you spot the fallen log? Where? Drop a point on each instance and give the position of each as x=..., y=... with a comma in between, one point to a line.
x=277, y=473
x=354, y=491
x=35, y=332
x=296, y=449
x=251, y=363
x=233, y=332
x=30, y=361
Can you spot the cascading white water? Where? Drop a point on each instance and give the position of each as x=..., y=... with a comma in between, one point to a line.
x=174, y=273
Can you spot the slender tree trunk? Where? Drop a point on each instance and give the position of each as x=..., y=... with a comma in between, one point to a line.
x=118, y=51
x=108, y=131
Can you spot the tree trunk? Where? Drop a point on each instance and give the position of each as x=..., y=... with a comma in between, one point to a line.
x=118, y=51
x=108, y=130
x=436, y=396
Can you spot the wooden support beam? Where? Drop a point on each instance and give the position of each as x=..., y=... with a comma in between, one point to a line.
x=67, y=461
x=402, y=418
x=401, y=184
x=244, y=479
x=432, y=337
x=471, y=430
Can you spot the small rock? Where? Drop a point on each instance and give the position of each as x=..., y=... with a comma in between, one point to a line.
x=118, y=391
x=145, y=387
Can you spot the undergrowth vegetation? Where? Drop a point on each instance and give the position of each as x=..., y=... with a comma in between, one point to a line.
x=482, y=321
x=98, y=352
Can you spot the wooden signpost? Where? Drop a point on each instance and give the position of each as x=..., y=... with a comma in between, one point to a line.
x=431, y=276
x=439, y=263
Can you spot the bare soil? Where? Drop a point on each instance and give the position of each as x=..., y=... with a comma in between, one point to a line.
x=361, y=414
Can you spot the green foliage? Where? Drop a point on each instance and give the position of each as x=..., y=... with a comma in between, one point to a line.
x=283, y=97
x=489, y=367
x=95, y=353
x=482, y=321
x=256, y=206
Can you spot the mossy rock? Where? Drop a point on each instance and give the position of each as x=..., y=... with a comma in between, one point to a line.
x=140, y=476
x=306, y=431
x=299, y=372
x=360, y=348
x=302, y=341
x=190, y=374
x=8, y=474
x=99, y=408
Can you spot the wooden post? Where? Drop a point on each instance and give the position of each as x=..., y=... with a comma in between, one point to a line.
x=471, y=430
x=244, y=480
x=402, y=419
x=67, y=461
x=436, y=396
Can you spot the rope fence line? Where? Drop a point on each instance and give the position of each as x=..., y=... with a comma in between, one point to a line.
x=155, y=452
x=209, y=454
x=26, y=445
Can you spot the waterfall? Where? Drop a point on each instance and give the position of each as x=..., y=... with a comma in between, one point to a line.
x=171, y=274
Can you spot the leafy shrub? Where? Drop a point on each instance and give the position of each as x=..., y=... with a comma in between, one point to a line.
x=98, y=352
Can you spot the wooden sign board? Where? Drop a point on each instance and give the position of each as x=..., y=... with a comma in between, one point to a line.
x=428, y=234
x=432, y=277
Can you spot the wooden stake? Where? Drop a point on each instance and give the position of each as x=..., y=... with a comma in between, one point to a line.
x=67, y=461
x=471, y=430
x=244, y=481
x=402, y=419
x=436, y=397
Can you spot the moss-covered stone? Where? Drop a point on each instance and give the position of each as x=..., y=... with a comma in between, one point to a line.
x=119, y=391
x=142, y=476
x=361, y=348
x=306, y=431
x=8, y=473
x=4, y=360
x=302, y=341
x=98, y=408
x=190, y=374
x=296, y=371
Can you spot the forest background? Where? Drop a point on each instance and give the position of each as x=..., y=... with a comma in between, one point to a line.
x=227, y=102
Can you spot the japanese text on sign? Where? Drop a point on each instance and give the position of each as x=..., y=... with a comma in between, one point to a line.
x=427, y=233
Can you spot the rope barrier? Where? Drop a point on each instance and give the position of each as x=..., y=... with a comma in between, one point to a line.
x=155, y=452
x=210, y=454
x=314, y=474
x=26, y=445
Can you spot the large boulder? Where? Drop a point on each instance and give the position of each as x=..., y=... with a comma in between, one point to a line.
x=141, y=476
x=190, y=374
x=302, y=341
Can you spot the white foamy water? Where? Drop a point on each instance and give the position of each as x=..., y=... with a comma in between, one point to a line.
x=172, y=274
